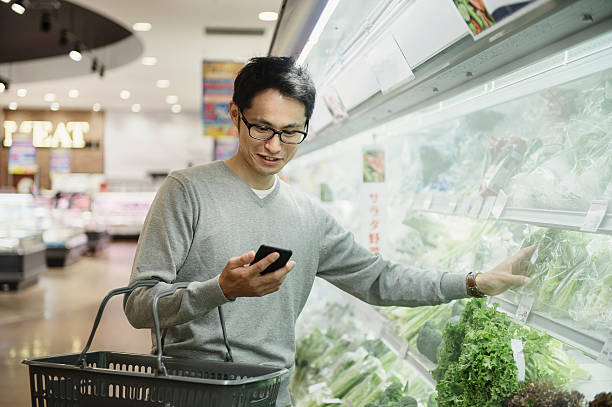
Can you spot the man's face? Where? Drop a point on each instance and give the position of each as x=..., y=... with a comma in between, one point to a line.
x=269, y=108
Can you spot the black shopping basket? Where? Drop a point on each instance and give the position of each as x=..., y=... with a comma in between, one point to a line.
x=92, y=379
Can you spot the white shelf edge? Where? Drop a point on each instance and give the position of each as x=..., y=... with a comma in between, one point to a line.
x=379, y=326
x=555, y=218
x=575, y=337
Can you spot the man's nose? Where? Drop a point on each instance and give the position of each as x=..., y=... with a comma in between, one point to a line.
x=274, y=144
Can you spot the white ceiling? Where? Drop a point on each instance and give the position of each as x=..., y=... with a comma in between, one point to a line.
x=178, y=41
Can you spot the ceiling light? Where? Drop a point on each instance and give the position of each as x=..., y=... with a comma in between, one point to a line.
x=18, y=7
x=6, y=1
x=171, y=99
x=55, y=106
x=73, y=93
x=45, y=22
x=22, y=92
x=75, y=54
x=268, y=16
x=149, y=61
x=124, y=94
x=94, y=65
x=136, y=108
x=102, y=69
x=142, y=27
x=4, y=84
x=50, y=97
x=176, y=108
x=163, y=83
x=96, y=107
x=13, y=106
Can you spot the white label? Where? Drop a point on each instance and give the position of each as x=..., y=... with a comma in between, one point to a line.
x=524, y=309
x=487, y=207
x=595, y=215
x=500, y=204
x=476, y=204
x=388, y=64
x=452, y=205
x=605, y=356
x=428, y=200
x=519, y=358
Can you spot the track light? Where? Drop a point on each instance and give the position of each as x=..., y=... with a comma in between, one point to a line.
x=18, y=7
x=45, y=22
x=101, y=71
x=63, y=40
x=4, y=85
x=94, y=65
x=75, y=54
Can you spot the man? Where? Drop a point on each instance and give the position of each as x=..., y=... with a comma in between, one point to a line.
x=206, y=221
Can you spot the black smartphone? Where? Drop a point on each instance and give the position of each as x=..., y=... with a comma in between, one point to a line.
x=264, y=250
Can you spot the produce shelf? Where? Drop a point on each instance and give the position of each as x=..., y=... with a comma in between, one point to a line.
x=476, y=207
x=580, y=338
x=380, y=326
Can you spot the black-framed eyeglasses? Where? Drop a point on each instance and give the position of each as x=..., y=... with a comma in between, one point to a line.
x=263, y=133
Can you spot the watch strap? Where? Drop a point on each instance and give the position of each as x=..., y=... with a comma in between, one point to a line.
x=472, y=287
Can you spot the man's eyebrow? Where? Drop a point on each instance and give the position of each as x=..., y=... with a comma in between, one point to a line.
x=267, y=123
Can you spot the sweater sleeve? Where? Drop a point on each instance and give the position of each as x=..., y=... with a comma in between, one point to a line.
x=366, y=275
x=163, y=246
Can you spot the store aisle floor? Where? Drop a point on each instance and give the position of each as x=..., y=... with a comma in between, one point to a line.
x=56, y=316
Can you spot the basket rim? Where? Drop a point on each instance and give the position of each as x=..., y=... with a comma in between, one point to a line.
x=40, y=362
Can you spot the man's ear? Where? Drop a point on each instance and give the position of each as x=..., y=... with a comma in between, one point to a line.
x=233, y=111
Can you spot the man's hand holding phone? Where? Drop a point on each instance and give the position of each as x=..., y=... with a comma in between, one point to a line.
x=242, y=276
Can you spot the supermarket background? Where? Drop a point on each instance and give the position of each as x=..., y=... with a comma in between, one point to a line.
x=444, y=136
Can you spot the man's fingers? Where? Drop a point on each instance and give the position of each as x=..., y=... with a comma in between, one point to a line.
x=241, y=260
x=525, y=253
x=518, y=280
x=262, y=264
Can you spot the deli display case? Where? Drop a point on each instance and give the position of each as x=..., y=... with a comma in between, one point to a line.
x=442, y=147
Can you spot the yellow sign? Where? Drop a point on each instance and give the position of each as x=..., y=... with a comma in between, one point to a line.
x=66, y=135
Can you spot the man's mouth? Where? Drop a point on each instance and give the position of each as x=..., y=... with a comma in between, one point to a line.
x=268, y=158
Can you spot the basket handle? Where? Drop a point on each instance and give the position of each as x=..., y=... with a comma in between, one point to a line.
x=141, y=283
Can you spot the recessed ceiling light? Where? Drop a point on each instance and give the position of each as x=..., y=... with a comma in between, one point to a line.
x=268, y=16
x=50, y=97
x=13, y=106
x=73, y=93
x=171, y=99
x=149, y=61
x=136, y=108
x=17, y=7
x=176, y=108
x=124, y=94
x=22, y=92
x=96, y=107
x=6, y=1
x=2, y=87
x=163, y=83
x=75, y=53
x=142, y=27
x=55, y=106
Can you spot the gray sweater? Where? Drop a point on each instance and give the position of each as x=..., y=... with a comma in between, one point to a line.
x=202, y=216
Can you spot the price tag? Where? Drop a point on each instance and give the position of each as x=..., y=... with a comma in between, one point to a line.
x=595, y=215
x=487, y=207
x=476, y=204
x=605, y=356
x=452, y=205
x=428, y=200
x=524, y=309
x=500, y=204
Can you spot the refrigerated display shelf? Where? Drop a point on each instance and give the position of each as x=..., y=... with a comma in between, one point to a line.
x=579, y=338
x=485, y=208
x=380, y=327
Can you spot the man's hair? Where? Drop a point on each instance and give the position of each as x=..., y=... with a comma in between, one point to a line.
x=280, y=73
